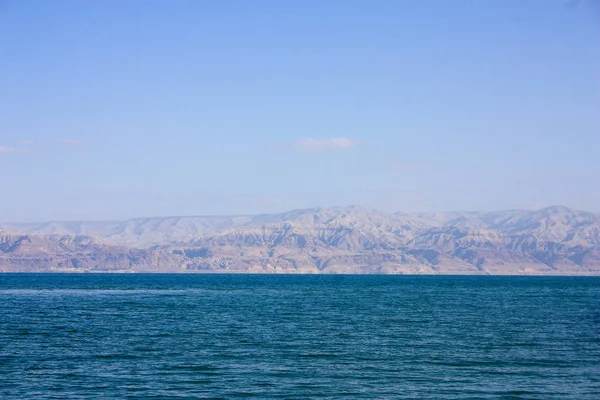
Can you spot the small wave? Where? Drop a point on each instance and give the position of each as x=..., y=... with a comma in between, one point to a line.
x=94, y=292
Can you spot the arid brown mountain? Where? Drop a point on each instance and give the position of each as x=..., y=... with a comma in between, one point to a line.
x=551, y=241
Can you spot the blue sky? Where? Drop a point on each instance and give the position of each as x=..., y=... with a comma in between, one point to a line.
x=117, y=109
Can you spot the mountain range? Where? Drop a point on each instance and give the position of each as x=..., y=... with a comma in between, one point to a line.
x=551, y=241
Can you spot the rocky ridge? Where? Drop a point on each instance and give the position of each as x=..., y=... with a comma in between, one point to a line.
x=551, y=241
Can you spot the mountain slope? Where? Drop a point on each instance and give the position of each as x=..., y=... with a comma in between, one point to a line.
x=553, y=240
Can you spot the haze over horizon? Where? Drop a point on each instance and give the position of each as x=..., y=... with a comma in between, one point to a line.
x=550, y=209
x=113, y=110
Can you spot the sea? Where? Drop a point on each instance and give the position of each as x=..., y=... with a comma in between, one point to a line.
x=138, y=336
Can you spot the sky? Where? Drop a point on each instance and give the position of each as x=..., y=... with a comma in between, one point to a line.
x=116, y=109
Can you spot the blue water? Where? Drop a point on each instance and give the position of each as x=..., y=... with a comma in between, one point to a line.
x=227, y=336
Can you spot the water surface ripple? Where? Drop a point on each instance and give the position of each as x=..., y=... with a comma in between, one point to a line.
x=228, y=336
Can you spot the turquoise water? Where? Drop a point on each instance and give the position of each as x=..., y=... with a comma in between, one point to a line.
x=227, y=336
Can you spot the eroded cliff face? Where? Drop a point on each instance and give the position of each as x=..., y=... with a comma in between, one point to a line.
x=554, y=241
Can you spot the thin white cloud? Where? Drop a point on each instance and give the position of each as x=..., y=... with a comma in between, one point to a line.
x=11, y=150
x=310, y=144
x=71, y=142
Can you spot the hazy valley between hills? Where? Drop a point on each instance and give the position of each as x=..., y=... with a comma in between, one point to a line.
x=340, y=240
